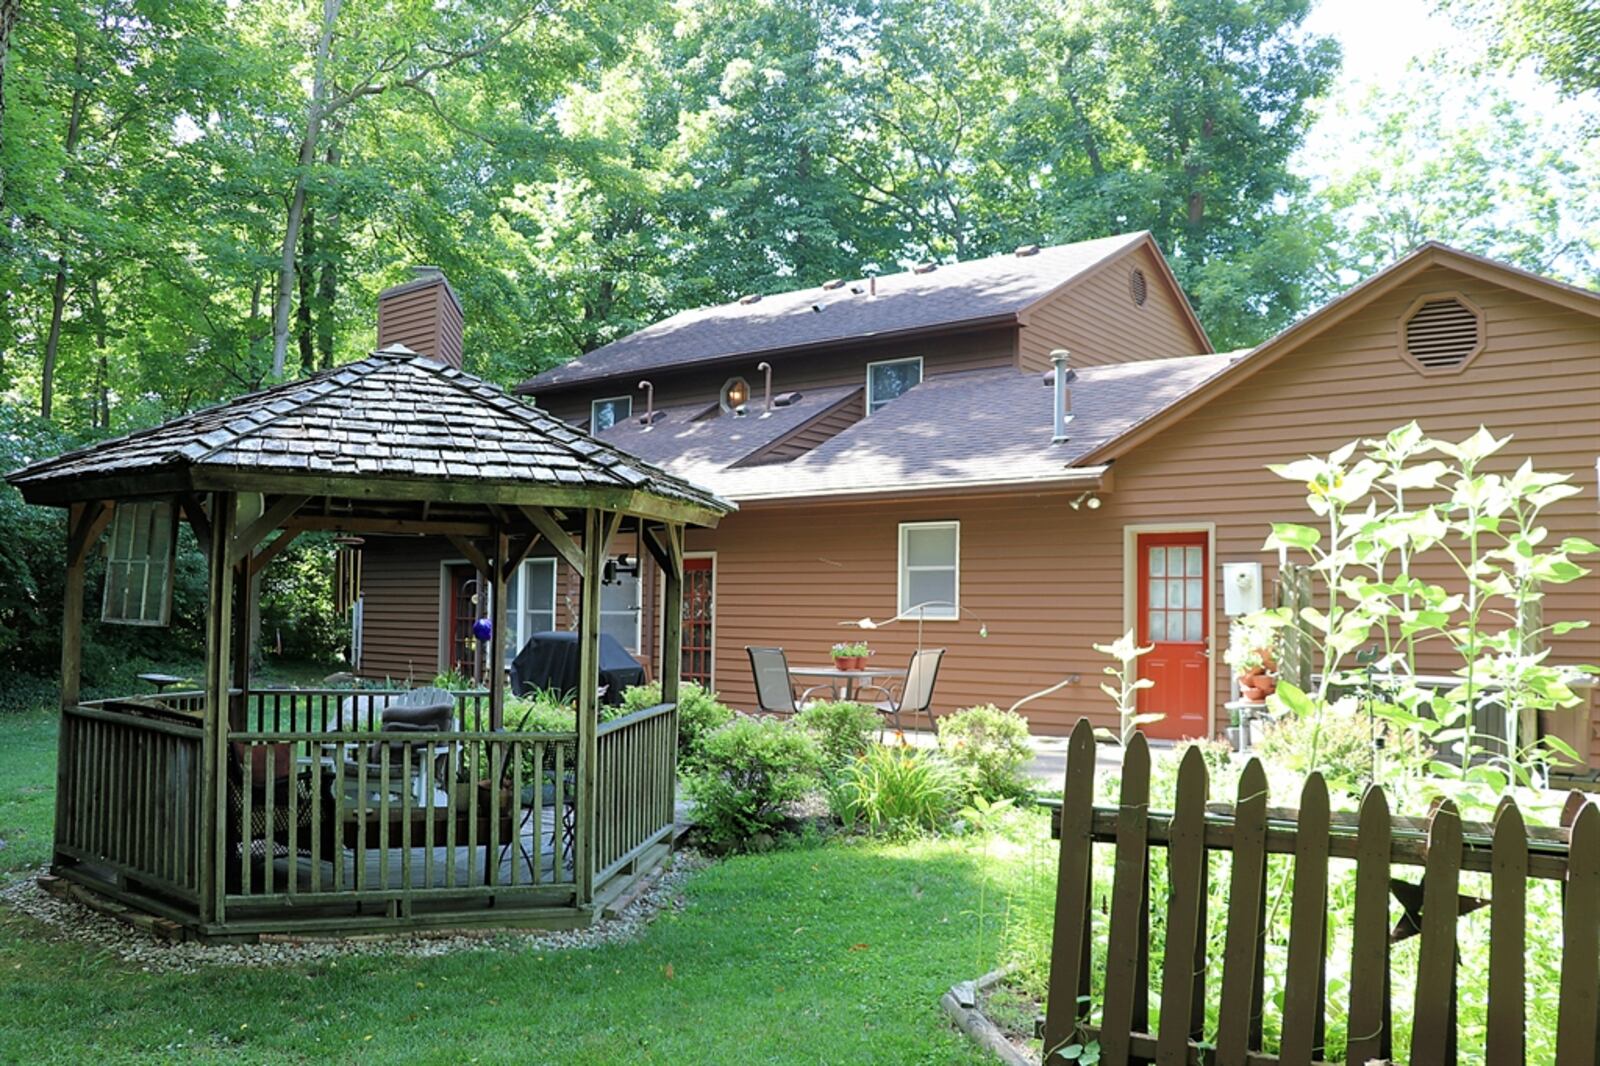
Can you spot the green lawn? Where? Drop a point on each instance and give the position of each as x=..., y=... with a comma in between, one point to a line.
x=828, y=954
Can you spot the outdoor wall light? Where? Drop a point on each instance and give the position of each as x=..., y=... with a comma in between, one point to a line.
x=622, y=564
x=1087, y=499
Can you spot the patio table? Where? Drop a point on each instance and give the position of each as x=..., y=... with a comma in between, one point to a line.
x=846, y=683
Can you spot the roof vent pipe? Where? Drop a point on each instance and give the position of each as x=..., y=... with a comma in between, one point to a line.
x=767, y=368
x=649, y=403
x=1063, y=393
x=872, y=285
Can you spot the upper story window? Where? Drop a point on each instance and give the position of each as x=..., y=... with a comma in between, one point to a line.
x=735, y=394
x=930, y=570
x=603, y=414
x=891, y=378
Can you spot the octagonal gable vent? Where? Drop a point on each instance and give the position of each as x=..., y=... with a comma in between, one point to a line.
x=1442, y=334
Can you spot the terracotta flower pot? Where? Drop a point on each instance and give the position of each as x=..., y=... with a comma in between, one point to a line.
x=1267, y=684
x=841, y=662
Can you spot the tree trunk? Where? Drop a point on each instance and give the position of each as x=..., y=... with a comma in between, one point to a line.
x=307, y=272
x=297, y=202
x=101, y=416
x=58, y=289
x=328, y=279
x=8, y=21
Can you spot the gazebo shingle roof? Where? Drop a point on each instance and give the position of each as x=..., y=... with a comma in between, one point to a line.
x=395, y=415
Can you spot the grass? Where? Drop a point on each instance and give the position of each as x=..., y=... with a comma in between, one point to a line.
x=835, y=953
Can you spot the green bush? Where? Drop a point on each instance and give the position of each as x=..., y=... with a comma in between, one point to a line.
x=843, y=730
x=897, y=790
x=990, y=748
x=699, y=712
x=1352, y=748
x=747, y=771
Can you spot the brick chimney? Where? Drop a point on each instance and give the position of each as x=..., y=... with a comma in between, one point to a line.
x=424, y=315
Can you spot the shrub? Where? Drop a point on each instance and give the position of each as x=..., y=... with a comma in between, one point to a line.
x=746, y=772
x=699, y=712
x=1347, y=746
x=897, y=790
x=990, y=748
x=843, y=730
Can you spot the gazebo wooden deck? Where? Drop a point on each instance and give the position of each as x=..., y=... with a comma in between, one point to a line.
x=233, y=811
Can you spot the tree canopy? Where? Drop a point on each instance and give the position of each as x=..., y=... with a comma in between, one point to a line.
x=200, y=198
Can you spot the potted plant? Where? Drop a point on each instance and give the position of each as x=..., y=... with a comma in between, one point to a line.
x=860, y=653
x=1251, y=656
x=843, y=656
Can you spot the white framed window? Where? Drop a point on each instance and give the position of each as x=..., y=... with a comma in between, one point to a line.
x=930, y=570
x=530, y=603
x=603, y=414
x=619, y=610
x=140, y=557
x=891, y=378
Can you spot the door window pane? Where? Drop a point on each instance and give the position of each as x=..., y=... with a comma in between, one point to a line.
x=1191, y=562
x=1158, y=593
x=1191, y=625
x=1158, y=625
x=1158, y=562
x=619, y=610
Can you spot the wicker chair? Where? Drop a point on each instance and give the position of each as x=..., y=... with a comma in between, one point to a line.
x=270, y=809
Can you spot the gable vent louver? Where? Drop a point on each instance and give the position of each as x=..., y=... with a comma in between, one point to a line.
x=1442, y=334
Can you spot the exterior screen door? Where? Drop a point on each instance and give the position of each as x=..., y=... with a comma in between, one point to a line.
x=697, y=620
x=1174, y=603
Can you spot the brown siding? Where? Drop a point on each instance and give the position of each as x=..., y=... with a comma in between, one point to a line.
x=424, y=317
x=940, y=355
x=1049, y=580
x=1096, y=319
x=818, y=431
x=400, y=606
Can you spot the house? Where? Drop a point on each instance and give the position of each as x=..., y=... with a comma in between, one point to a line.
x=908, y=439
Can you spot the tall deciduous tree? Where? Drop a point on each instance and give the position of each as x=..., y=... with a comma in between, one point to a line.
x=1472, y=168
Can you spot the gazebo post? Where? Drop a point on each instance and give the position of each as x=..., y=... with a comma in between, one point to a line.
x=672, y=616
x=213, y=775
x=598, y=529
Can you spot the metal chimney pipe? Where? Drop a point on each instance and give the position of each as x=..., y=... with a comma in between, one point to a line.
x=1063, y=393
x=767, y=367
x=649, y=403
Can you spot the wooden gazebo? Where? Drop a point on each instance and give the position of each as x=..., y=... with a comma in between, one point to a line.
x=232, y=811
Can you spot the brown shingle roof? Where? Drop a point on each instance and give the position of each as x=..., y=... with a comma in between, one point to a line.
x=977, y=290
x=960, y=430
x=392, y=416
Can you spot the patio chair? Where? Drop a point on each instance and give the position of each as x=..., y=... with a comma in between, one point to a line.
x=271, y=809
x=914, y=695
x=774, y=685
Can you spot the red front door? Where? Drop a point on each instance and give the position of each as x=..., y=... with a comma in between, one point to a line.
x=698, y=625
x=1175, y=622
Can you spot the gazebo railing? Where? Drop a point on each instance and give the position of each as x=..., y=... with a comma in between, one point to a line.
x=128, y=798
x=636, y=778
x=361, y=817
x=326, y=817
